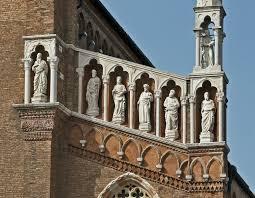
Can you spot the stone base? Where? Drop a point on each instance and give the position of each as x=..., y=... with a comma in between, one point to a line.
x=118, y=120
x=206, y=137
x=93, y=113
x=39, y=98
x=171, y=135
x=145, y=127
x=211, y=68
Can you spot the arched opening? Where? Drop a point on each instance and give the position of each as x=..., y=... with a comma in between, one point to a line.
x=129, y=185
x=145, y=79
x=93, y=65
x=206, y=87
x=105, y=47
x=171, y=85
x=118, y=71
x=45, y=55
x=90, y=36
x=97, y=42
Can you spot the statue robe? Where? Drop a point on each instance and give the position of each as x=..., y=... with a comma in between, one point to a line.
x=92, y=96
x=171, y=113
x=207, y=111
x=145, y=107
x=40, y=69
x=120, y=103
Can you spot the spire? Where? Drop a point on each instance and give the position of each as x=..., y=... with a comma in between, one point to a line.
x=208, y=3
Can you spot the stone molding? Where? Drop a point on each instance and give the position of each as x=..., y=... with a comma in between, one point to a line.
x=154, y=176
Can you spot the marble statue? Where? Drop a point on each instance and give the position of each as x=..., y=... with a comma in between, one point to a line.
x=118, y=94
x=208, y=119
x=171, y=105
x=207, y=51
x=40, y=68
x=92, y=95
x=144, y=109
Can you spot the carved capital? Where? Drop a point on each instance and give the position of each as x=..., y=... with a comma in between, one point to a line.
x=27, y=63
x=220, y=97
x=184, y=100
x=192, y=99
x=131, y=87
x=158, y=94
x=80, y=71
x=53, y=62
x=106, y=79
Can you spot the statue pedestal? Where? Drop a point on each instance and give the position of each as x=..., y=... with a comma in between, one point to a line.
x=146, y=127
x=93, y=112
x=39, y=98
x=206, y=137
x=118, y=120
x=171, y=135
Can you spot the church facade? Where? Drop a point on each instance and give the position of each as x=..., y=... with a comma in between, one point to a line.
x=86, y=114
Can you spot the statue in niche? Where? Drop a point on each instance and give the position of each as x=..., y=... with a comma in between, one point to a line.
x=208, y=118
x=144, y=109
x=207, y=51
x=171, y=105
x=40, y=68
x=92, y=95
x=118, y=94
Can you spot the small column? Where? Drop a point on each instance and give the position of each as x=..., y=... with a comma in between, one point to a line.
x=217, y=46
x=80, y=71
x=184, y=119
x=198, y=59
x=106, y=81
x=53, y=78
x=192, y=120
x=131, y=88
x=27, y=86
x=220, y=100
x=158, y=108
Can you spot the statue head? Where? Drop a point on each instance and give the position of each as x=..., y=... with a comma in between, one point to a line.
x=94, y=73
x=172, y=93
x=119, y=79
x=39, y=56
x=206, y=96
x=146, y=87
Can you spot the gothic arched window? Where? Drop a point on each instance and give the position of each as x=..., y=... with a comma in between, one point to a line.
x=131, y=191
x=128, y=185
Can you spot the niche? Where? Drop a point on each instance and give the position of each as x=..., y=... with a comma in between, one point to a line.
x=206, y=87
x=165, y=92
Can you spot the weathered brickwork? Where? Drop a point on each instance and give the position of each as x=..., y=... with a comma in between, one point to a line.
x=40, y=152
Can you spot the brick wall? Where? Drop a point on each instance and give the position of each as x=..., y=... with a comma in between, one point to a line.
x=17, y=18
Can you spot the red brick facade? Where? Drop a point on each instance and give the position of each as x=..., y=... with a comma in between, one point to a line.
x=41, y=154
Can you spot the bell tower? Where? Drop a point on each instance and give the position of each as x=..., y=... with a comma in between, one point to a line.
x=208, y=81
x=209, y=31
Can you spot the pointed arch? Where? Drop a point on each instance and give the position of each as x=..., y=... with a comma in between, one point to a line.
x=95, y=130
x=168, y=154
x=202, y=163
x=151, y=147
x=138, y=146
x=116, y=137
x=213, y=159
x=118, y=184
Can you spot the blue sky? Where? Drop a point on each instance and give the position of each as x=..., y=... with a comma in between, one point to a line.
x=163, y=30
